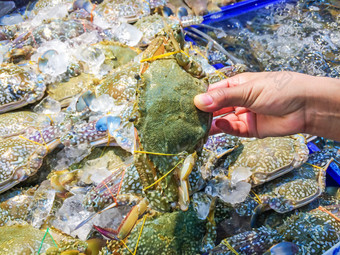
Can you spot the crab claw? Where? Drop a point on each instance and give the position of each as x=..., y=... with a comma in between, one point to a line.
x=85, y=100
x=257, y=212
x=183, y=190
x=128, y=223
x=110, y=123
x=283, y=248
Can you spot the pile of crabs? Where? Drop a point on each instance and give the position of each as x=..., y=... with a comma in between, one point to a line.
x=102, y=150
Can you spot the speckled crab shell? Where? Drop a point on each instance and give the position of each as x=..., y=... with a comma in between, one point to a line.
x=19, y=86
x=299, y=187
x=14, y=123
x=169, y=233
x=165, y=93
x=271, y=157
x=22, y=156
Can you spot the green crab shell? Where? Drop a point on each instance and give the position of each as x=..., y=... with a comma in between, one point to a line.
x=271, y=157
x=168, y=120
x=168, y=233
x=116, y=54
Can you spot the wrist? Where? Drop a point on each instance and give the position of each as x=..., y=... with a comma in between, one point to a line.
x=323, y=108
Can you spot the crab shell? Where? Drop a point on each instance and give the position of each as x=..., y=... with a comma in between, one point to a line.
x=168, y=121
x=130, y=10
x=21, y=157
x=166, y=233
x=271, y=157
x=14, y=123
x=315, y=231
x=19, y=86
x=298, y=188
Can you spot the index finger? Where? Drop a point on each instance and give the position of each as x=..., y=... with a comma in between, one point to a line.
x=232, y=81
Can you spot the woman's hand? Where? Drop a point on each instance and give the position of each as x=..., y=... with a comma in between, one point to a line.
x=273, y=104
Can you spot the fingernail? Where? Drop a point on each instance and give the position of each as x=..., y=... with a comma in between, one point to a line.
x=204, y=99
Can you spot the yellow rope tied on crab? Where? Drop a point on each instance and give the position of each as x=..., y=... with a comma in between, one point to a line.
x=220, y=73
x=22, y=137
x=225, y=242
x=181, y=161
x=160, y=56
x=126, y=246
x=155, y=153
x=257, y=198
x=140, y=234
x=319, y=167
x=197, y=51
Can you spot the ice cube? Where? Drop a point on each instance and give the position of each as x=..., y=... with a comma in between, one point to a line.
x=240, y=174
x=128, y=34
x=70, y=215
x=201, y=203
x=228, y=192
x=11, y=19
x=43, y=202
x=103, y=104
x=48, y=106
x=92, y=56
x=52, y=57
x=70, y=155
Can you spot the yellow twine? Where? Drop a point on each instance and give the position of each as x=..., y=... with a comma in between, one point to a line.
x=126, y=246
x=42, y=138
x=319, y=167
x=22, y=137
x=155, y=153
x=159, y=56
x=107, y=144
x=220, y=73
x=185, y=53
x=229, y=246
x=181, y=161
x=140, y=234
x=258, y=199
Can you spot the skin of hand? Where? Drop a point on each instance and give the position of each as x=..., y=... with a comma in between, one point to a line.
x=274, y=104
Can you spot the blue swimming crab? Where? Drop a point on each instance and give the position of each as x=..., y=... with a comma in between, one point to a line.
x=25, y=239
x=21, y=156
x=19, y=86
x=299, y=187
x=164, y=98
x=15, y=123
x=270, y=157
x=130, y=10
x=311, y=232
x=164, y=233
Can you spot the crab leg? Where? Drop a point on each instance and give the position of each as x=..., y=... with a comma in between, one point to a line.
x=187, y=167
x=128, y=223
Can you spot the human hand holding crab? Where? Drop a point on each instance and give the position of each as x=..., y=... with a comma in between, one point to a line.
x=274, y=104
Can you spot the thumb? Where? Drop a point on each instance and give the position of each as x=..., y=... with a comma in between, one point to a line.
x=216, y=99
